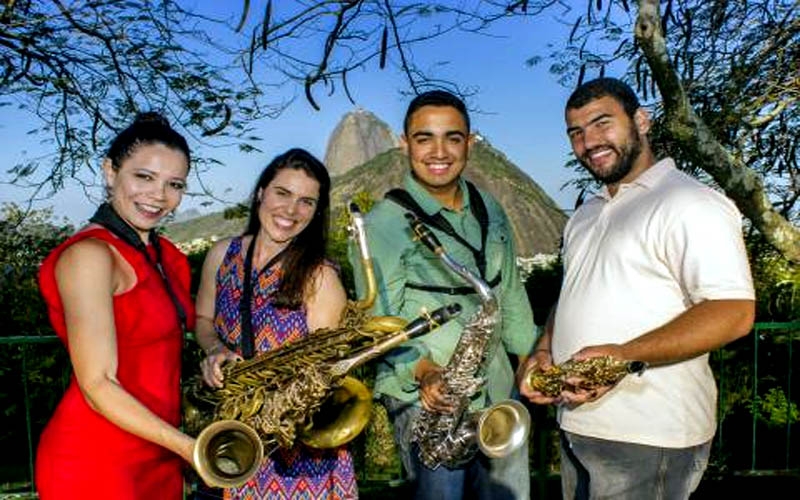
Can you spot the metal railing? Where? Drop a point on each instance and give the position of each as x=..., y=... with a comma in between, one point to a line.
x=770, y=381
x=762, y=387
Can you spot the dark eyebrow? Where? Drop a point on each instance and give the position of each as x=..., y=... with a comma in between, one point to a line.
x=422, y=133
x=593, y=120
x=456, y=133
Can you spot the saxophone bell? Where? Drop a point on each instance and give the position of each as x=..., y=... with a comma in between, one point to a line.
x=227, y=453
x=503, y=428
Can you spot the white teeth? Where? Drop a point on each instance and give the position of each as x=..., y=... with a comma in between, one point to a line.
x=149, y=209
x=281, y=222
x=598, y=154
x=438, y=166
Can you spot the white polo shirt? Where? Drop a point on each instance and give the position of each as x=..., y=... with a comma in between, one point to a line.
x=631, y=264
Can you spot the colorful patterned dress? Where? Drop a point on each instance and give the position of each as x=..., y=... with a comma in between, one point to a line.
x=300, y=472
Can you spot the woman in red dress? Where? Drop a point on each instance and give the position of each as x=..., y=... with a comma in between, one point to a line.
x=118, y=297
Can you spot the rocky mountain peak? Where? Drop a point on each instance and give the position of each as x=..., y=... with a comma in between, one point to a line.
x=358, y=137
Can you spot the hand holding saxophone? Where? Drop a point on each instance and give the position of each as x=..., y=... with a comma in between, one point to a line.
x=211, y=366
x=432, y=391
x=540, y=362
x=587, y=376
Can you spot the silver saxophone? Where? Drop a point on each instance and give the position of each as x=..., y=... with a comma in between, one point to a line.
x=452, y=439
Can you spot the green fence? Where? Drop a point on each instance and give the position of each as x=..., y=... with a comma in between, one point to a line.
x=757, y=432
x=758, y=412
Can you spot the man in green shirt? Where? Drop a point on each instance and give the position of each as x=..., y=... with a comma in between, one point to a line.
x=412, y=279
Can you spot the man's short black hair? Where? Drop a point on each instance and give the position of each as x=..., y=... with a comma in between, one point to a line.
x=435, y=98
x=604, y=87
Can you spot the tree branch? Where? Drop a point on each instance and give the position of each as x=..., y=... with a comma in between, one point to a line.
x=739, y=182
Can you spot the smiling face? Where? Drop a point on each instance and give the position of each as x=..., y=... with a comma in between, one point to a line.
x=437, y=143
x=608, y=142
x=148, y=185
x=288, y=203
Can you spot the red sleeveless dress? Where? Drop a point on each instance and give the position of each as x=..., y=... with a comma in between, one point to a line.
x=82, y=455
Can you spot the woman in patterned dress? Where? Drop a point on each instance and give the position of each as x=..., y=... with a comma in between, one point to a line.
x=290, y=291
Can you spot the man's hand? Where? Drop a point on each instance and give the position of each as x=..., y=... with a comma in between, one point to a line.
x=577, y=392
x=539, y=361
x=431, y=387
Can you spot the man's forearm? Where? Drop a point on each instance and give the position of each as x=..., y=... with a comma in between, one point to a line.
x=702, y=328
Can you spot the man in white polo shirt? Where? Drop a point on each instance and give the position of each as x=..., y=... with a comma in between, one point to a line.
x=655, y=270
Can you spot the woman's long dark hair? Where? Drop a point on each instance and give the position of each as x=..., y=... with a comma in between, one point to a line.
x=306, y=252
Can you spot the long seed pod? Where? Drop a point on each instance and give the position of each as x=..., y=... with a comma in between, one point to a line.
x=266, y=23
x=346, y=88
x=622, y=45
x=626, y=6
x=575, y=28
x=251, y=53
x=309, y=96
x=666, y=16
x=384, y=44
x=581, y=74
x=243, y=19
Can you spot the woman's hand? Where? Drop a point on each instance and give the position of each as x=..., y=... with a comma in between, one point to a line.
x=211, y=366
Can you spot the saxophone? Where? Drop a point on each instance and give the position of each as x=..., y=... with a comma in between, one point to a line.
x=453, y=439
x=298, y=392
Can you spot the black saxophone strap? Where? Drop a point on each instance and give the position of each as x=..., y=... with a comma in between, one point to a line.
x=248, y=342
x=438, y=221
x=107, y=217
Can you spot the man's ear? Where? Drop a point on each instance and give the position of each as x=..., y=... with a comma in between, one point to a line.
x=404, y=144
x=642, y=120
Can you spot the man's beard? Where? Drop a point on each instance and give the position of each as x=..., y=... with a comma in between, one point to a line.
x=627, y=155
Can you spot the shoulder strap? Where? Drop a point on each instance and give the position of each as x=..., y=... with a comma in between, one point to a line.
x=108, y=218
x=477, y=207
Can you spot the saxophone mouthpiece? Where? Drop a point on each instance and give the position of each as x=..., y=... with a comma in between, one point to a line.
x=428, y=322
x=424, y=234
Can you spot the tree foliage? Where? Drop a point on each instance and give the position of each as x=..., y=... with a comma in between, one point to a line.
x=724, y=81
x=85, y=67
x=721, y=76
x=25, y=239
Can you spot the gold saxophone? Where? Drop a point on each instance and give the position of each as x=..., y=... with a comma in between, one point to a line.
x=452, y=439
x=592, y=373
x=300, y=391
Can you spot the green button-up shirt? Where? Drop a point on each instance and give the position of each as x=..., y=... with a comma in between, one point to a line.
x=398, y=260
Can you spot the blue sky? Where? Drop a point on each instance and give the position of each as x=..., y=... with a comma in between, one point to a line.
x=518, y=108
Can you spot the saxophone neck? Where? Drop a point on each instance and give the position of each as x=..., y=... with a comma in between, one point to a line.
x=482, y=288
x=358, y=232
x=420, y=326
x=427, y=238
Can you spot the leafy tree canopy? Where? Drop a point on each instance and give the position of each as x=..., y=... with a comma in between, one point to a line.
x=721, y=76
x=84, y=68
